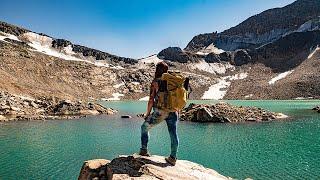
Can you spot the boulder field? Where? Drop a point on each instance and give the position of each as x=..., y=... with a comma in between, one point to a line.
x=16, y=107
x=145, y=168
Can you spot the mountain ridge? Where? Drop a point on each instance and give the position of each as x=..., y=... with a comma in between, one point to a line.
x=260, y=29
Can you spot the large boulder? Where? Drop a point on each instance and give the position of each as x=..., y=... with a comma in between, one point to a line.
x=175, y=54
x=212, y=58
x=225, y=56
x=146, y=168
x=241, y=57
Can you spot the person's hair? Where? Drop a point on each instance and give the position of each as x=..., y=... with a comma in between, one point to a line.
x=161, y=68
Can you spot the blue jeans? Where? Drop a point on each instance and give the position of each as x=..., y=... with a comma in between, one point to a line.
x=155, y=118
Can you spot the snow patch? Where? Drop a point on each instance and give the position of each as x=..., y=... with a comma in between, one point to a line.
x=4, y=35
x=144, y=98
x=151, y=59
x=43, y=44
x=219, y=90
x=312, y=54
x=213, y=68
x=279, y=77
x=210, y=49
x=248, y=96
x=116, y=97
x=144, y=62
x=117, y=67
x=101, y=64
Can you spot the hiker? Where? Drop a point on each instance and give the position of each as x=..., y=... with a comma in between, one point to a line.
x=160, y=92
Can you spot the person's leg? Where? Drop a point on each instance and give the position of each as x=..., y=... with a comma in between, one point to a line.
x=155, y=118
x=172, y=121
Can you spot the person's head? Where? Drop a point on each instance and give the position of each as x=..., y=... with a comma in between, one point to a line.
x=161, y=68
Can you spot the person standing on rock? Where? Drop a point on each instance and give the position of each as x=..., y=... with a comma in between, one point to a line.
x=162, y=109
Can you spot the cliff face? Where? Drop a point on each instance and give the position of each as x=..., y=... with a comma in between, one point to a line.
x=146, y=168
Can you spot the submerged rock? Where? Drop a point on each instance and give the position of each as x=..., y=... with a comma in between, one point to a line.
x=317, y=108
x=138, y=167
x=225, y=113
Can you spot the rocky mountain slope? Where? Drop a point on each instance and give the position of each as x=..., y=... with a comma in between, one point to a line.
x=279, y=60
x=277, y=52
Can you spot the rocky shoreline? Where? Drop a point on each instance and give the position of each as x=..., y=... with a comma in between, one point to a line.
x=226, y=113
x=147, y=168
x=21, y=108
x=317, y=108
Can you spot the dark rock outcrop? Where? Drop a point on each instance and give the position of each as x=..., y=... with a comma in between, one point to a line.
x=200, y=41
x=212, y=58
x=176, y=54
x=57, y=43
x=225, y=56
x=99, y=55
x=12, y=29
x=85, y=51
x=226, y=113
x=146, y=168
x=241, y=57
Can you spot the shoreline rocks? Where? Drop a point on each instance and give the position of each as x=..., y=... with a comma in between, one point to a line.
x=147, y=168
x=226, y=113
x=317, y=108
x=20, y=108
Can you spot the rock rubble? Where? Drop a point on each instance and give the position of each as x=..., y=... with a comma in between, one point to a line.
x=15, y=107
x=226, y=113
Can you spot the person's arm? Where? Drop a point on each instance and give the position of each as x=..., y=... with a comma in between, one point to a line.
x=153, y=91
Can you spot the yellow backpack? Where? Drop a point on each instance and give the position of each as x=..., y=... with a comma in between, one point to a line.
x=172, y=94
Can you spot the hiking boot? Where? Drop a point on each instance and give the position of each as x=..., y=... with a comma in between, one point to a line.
x=144, y=152
x=171, y=160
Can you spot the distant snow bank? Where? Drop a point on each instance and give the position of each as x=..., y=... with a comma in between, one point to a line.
x=144, y=62
x=210, y=49
x=43, y=44
x=279, y=77
x=213, y=68
x=144, y=98
x=116, y=97
x=219, y=90
x=4, y=35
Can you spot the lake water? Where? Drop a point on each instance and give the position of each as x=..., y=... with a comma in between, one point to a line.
x=275, y=150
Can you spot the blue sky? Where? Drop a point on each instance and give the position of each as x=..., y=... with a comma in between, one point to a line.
x=131, y=28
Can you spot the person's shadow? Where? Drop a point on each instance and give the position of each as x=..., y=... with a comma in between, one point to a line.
x=131, y=166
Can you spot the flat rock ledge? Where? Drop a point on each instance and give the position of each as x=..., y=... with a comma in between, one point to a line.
x=226, y=113
x=21, y=108
x=145, y=168
x=317, y=108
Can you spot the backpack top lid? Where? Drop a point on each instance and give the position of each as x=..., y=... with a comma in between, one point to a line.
x=174, y=80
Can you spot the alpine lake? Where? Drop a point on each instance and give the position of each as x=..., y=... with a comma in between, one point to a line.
x=286, y=149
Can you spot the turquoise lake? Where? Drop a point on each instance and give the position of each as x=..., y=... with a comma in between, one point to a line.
x=288, y=149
